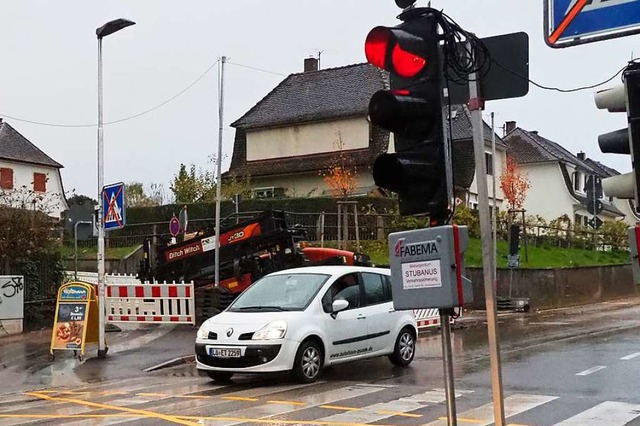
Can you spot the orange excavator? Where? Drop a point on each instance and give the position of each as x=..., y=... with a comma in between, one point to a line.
x=248, y=250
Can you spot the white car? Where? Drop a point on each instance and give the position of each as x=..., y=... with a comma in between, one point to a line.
x=304, y=319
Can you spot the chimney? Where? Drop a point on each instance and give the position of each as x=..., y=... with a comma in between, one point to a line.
x=534, y=132
x=310, y=64
x=581, y=156
x=510, y=126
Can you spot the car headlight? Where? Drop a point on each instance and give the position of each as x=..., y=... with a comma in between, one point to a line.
x=203, y=331
x=273, y=330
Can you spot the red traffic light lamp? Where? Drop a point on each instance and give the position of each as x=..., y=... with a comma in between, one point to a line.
x=413, y=110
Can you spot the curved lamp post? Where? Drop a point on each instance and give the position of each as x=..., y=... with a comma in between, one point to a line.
x=105, y=30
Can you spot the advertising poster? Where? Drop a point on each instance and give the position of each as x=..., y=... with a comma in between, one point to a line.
x=70, y=324
x=76, y=319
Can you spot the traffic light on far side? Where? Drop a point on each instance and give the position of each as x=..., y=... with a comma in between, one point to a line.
x=412, y=110
x=623, y=141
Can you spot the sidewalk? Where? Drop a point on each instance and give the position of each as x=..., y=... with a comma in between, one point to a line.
x=25, y=362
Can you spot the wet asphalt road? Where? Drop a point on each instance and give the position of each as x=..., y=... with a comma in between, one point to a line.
x=581, y=364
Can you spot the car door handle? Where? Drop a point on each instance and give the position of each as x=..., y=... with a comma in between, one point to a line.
x=392, y=310
x=361, y=317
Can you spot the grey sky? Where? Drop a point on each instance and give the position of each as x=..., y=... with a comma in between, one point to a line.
x=49, y=74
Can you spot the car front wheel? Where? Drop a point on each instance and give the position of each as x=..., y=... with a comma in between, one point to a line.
x=405, y=348
x=308, y=363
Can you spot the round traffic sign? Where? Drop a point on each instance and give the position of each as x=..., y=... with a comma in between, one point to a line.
x=174, y=226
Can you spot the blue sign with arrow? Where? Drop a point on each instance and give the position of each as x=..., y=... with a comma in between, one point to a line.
x=573, y=22
x=113, y=208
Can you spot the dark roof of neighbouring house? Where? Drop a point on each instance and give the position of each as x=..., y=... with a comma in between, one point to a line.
x=529, y=147
x=15, y=147
x=336, y=93
x=602, y=170
x=316, y=96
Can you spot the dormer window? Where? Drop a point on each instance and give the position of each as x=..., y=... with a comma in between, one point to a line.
x=577, y=181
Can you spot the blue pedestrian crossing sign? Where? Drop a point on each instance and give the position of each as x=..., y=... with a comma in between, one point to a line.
x=113, y=208
x=573, y=22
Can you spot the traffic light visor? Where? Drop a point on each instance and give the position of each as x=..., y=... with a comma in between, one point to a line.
x=390, y=49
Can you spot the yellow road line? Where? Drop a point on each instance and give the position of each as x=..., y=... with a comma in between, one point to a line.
x=142, y=413
x=74, y=393
x=192, y=396
x=338, y=407
x=239, y=398
x=399, y=413
x=152, y=394
x=286, y=402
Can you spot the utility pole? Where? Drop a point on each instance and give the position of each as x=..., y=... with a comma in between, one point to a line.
x=219, y=169
x=475, y=105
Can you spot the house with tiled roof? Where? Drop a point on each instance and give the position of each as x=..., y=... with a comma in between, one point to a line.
x=300, y=127
x=29, y=178
x=557, y=178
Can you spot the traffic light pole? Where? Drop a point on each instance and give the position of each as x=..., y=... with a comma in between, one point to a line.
x=475, y=105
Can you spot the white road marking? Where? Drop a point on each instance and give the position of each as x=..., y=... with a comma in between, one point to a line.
x=632, y=356
x=591, y=370
x=398, y=407
x=608, y=413
x=514, y=404
x=275, y=409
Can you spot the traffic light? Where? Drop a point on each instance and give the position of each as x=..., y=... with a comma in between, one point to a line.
x=624, y=141
x=413, y=110
x=593, y=189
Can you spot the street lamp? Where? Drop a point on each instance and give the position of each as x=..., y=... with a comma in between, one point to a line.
x=105, y=30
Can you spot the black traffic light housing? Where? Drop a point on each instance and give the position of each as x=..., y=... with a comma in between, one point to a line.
x=627, y=140
x=413, y=110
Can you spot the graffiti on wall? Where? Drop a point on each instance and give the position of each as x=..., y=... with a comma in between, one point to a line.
x=11, y=297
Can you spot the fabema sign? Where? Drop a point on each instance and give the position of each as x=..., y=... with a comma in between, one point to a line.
x=427, y=268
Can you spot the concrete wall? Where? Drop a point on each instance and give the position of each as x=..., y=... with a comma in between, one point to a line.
x=555, y=288
x=305, y=139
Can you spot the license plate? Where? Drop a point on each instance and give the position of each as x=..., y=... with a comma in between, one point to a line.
x=225, y=352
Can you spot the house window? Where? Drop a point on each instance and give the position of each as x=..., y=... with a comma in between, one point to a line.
x=39, y=182
x=577, y=180
x=488, y=159
x=6, y=178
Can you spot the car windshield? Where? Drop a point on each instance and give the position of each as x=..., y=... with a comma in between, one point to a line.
x=282, y=292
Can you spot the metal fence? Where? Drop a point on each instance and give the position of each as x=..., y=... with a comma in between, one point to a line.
x=324, y=227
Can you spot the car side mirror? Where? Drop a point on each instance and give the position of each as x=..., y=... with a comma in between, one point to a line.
x=339, y=305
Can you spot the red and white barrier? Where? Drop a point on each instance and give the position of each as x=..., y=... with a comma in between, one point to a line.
x=154, y=303
x=427, y=318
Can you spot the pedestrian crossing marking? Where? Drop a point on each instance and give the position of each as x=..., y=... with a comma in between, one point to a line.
x=513, y=405
x=72, y=407
x=142, y=413
x=606, y=414
x=400, y=414
x=338, y=407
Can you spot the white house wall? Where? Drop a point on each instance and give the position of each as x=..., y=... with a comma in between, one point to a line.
x=305, y=139
x=52, y=202
x=623, y=205
x=306, y=184
x=500, y=161
x=548, y=196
